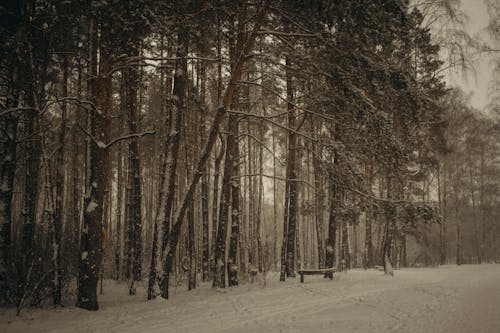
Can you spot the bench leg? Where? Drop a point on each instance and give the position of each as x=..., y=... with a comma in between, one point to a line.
x=301, y=277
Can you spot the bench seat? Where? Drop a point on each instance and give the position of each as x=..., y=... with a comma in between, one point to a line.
x=328, y=272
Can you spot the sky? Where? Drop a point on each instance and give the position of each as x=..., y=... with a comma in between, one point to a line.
x=476, y=85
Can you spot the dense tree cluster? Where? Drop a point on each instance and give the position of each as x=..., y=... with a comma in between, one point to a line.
x=157, y=141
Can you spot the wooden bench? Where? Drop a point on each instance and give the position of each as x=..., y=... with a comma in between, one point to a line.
x=328, y=272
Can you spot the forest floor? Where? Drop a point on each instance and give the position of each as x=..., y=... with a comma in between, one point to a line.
x=440, y=299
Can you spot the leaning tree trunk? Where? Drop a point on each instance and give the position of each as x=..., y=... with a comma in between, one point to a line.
x=178, y=108
x=167, y=188
x=215, y=203
x=242, y=53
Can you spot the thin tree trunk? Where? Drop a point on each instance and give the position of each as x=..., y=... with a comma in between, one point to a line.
x=319, y=197
x=334, y=201
x=291, y=181
x=204, y=184
x=58, y=212
x=232, y=267
x=369, y=218
x=171, y=154
x=474, y=219
x=389, y=211
x=215, y=203
x=135, y=213
x=191, y=247
x=225, y=202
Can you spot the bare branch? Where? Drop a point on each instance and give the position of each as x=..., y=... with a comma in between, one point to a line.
x=263, y=145
x=130, y=136
x=105, y=146
x=266, y=118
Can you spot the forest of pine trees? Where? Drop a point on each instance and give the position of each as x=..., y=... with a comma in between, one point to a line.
x=179, y=142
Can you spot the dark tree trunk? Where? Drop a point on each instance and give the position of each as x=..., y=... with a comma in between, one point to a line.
x=58, y=212
x=205, y=265
x=369, y=218
x=390, y=216
x=178, y=105
x=191, y=247
x=291, y=181
x=319, y=197
x=135, y=195
x=119, y=199
x=225, y=202
x=215, y=203
x=92, y=234
x=442, y=195
x=232, y=267
x=334, y=202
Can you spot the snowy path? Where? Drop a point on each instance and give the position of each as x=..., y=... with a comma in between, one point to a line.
x=446, y=299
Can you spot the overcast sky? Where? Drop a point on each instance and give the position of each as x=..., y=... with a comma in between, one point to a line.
x=476, y=85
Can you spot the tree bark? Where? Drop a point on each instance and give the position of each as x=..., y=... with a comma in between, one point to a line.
x=369, y=218
x=91, y=244
x=135, y=212
x=291, y=181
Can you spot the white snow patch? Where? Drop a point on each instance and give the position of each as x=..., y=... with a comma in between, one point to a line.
x=444, y=299
x=91, y=207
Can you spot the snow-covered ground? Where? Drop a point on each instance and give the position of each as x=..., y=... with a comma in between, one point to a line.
x=445, y=299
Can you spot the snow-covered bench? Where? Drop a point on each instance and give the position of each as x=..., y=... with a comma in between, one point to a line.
x=328, y=272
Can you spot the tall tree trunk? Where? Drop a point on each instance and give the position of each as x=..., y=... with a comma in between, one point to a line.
x=225, y=202
x=167, y=191
x=118, y=214
x=334, y=202
x=205, y=266
x=232, y=267
x=291, y=181
x=58, y=212
x=369, y=218
x=457, y=217
x=92, y=233
x=442, y=195
x=191, y=247
x=215, y=203
x=474, y=219
x=319, y=197
x=389, y=213
x=135, y=212
x=482, y=207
